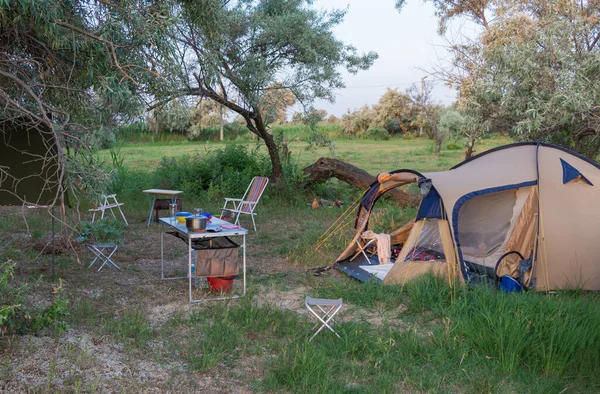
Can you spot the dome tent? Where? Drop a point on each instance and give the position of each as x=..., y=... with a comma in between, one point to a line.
x=536, y=199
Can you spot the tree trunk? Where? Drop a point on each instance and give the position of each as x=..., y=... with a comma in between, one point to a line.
x=277, y=169
x=326, y=168
x=470, y=146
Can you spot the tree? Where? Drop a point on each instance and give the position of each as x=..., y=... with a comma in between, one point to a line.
x=391, y=111
x=359, y=121
x=173, y=117
x=244, y=49
x=275, y=102
x=532, y=70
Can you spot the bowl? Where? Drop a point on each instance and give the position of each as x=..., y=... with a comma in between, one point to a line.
x=207, y=215
x=180, y=216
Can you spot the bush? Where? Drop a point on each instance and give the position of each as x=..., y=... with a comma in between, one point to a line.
x=231, y=131
x=226, y=171
x=394, y=126
x=105, y=230
x=16, y=316
x=377, y=133
x=454, y=146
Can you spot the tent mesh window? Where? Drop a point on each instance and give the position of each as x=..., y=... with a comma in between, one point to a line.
x=484, y=222
x=429, y=246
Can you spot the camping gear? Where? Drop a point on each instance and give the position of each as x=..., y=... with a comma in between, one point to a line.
x=200, y=247
x=324, y=312
x=104, y=253
x=537, y=199
x=247, y=204
x=162, y=204
x=220, y=283
x=180, y=216
x=157, y=192
x=509, y=285
x=195, y=223
x=108, y=202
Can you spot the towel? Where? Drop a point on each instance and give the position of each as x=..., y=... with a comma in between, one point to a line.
x=384, y=252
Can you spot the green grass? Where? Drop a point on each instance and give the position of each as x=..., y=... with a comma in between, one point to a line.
x=469, y=340
x=372, y=156
x=423, y=337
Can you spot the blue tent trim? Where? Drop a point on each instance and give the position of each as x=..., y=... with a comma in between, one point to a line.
x=461, y=201
x=570, y=173
x=431, y=206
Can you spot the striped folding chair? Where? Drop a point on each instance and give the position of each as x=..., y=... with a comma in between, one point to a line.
x=247, y=204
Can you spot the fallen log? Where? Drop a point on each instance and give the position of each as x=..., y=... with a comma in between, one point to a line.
x=325, y=168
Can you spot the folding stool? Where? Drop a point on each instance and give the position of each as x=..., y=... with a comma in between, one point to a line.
x=328, y=308
x=362, y=249
x=103, y=252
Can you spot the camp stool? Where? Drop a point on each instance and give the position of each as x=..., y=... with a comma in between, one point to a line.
x=103, y=252
x=362, y=249
x=324, y=311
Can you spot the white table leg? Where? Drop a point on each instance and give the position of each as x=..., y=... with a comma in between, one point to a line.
x=244, y=262
x=190, y=266
x=162, y=248
x=150, y=214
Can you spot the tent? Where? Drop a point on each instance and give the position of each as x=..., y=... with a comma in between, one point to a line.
x=529, y=211
x=29, y=170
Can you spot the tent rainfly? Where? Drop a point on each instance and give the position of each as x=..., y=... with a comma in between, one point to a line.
x=530, y=211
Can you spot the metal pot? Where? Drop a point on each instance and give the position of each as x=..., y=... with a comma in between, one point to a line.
x=195, y=223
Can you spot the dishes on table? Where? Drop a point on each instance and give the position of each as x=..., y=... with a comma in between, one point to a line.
x=180, y=216
x=196, y=223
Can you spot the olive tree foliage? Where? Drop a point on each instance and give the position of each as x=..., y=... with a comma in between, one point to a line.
x=392, y=111
x=235, y=52
x=275, y=102
x=73, y=70
x=532, y=70
x=176, y=117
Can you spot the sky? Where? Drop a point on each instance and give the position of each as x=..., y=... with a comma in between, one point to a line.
x=407, y=43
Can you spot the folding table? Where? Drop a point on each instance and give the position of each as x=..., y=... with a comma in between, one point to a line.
x=159, y=192
x=213, y=230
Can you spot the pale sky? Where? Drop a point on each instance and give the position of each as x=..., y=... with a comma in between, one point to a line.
x=407, y=43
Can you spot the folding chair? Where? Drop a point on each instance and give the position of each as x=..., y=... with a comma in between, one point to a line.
x=327, y=308
x=248, y=202
x=106, y=204
x=104, y=253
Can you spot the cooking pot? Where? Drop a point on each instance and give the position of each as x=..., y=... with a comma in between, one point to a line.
x=195, y=223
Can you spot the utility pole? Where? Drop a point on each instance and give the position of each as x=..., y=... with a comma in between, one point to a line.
x=221, y=120
x=221, y=117
x=422, y=104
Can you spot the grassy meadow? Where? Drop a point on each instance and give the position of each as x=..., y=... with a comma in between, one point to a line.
x=130, y=331
x=372, y=156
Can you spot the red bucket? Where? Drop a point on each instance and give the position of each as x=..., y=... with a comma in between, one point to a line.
x=220, y=283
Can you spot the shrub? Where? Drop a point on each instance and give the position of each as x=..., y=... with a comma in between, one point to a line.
x=454, y=146
x=394, y=126
x=226, y=171
x=105, y=230
x=16, y=316
x=231, y=131
x=377, y=133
